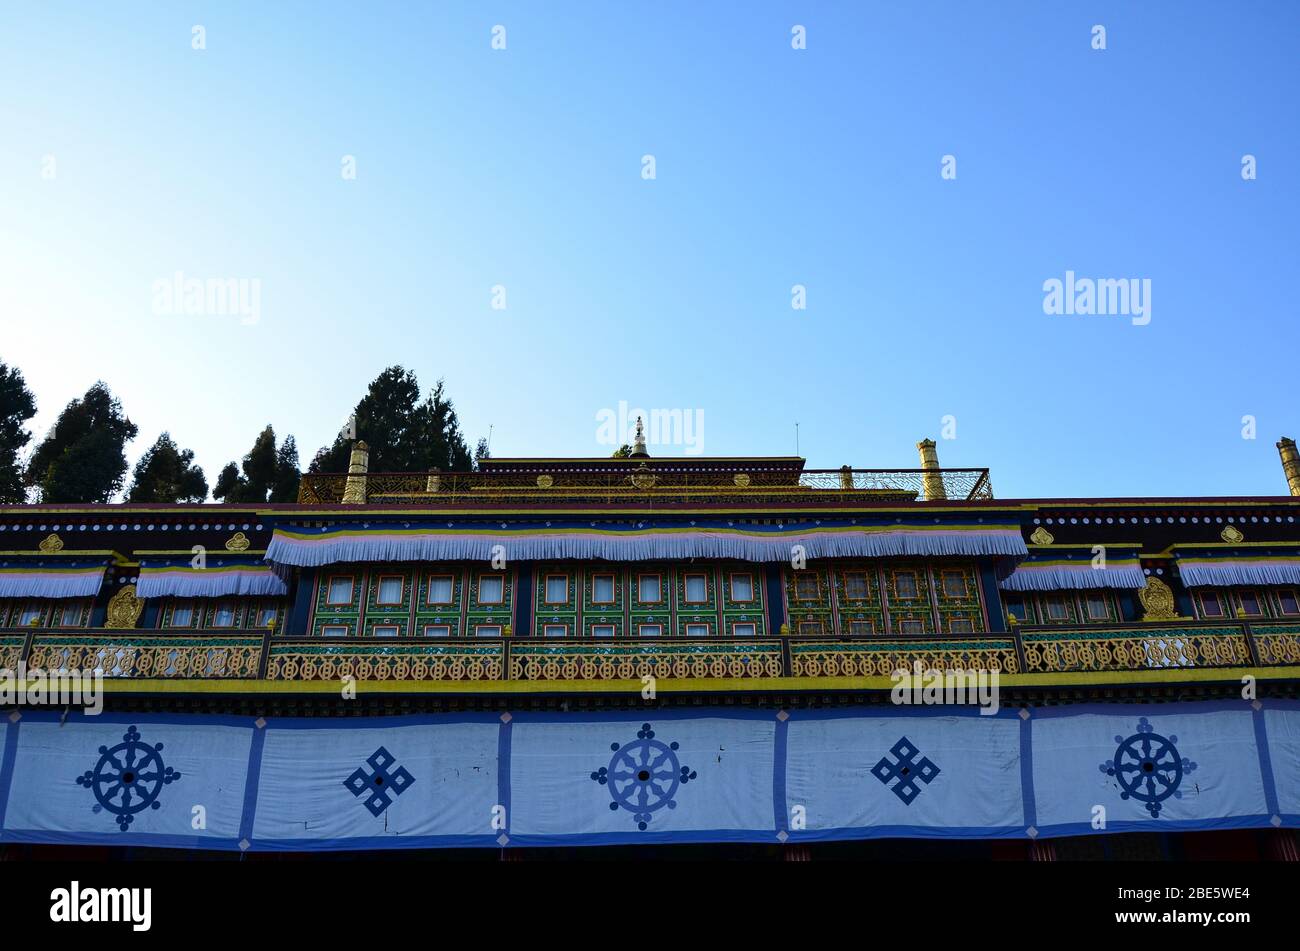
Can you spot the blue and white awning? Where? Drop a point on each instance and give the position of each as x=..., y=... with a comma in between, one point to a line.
x=180, y=576
x=52, y=576
x=1058, y=569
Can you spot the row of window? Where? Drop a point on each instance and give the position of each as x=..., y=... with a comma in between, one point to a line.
x=1095, y=606
x=904, y=584
x=68, y=612
x=648, y=589
x=737, y=629
x=1214, y=603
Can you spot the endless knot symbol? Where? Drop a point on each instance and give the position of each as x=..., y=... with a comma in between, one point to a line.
x=643, y=776
x=380, y=782
x=128, y=778
x=906, y=770
x=1148, y=767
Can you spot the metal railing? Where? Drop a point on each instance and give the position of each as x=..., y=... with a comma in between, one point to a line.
x=243, y=655
x=630, y=483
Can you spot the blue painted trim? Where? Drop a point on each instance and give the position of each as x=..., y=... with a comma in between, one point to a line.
x=775, y=598
x=904, y=710
x=522, y=622
x=252, y=781
x=1156, y=709
x=780, y=805
x=992, y=597
x=1027, y=794
x=648, y=715
x=132, y=719
x=7, y=767
x=1265, y=760
x=503, y=770
x=300, y=610
x=384, y=842
x=41, y=836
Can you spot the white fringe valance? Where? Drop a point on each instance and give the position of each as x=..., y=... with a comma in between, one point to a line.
x=82, y=582
x=215, y=582
x=1225, y=573
x=1030, y=577
x=308, y=549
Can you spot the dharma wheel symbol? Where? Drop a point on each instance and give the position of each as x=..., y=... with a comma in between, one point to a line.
x=128, y=778
x=1148, y=767
x=643, y=776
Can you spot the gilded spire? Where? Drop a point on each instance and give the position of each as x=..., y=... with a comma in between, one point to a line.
x=638, y=445
x=1290, y=463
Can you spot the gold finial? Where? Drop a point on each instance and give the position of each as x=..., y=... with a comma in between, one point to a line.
x=124, y=609
x=1042, y=536
x=785, y=630
x=52, y=543
x=1012, y=619
x=931, y=480
x=237, y=542
x=1290, y=463
x=507, y=631
x=354, y=491
x=1157, y=601
x=1231, y=534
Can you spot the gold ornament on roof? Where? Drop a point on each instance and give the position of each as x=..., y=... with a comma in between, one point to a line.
x=1231, y=534
x=1157, y=601
x=741, y=479
x=52, y=543
x=545, y=482
x=124, y=609
x=1042, y=536
x=643, y=478
x=237, y=542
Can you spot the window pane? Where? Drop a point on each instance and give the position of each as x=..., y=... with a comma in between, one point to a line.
x=390, y=591
x=905, y=584
x=697, y=630
x=386, y=630
x=70, y=616
x=555, y=630
x=437, y=630
x=1056, y=609
x=860, y=628
x=650, y=630
x=1097, y=607
x=602, y=589
x=954, y=584
x=961, y=626
x=334, y=630
x=557, y=589
x=742, y=587
x=810, y=627
x=855, y=585
x=488, y=630
x=439, y=590
x=265, y=616
x=182, y=615
x=340, y=591
x=911, y=627
x=1250, y=603
x=1210, y=605
x=223, y=616
x=696, y=588
x=602, y=630
x=491, y=589
x=648, y=588
x=743, y=630
x=1290, y=603
x=806, y=587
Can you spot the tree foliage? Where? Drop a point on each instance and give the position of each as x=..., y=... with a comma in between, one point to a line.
x=404, y=432
x=83, y=458
x=17, y=406
x=267, y=473
x=166, y=473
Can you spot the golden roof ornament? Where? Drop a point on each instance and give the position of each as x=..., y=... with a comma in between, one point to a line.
x=545, y=482
x=52, y=544
x=124, y=609
x=1231, y=534
x=237, y=542
x=643, y=478
x=638, y=444
x=1157, y=601
x=741, y=479
x=1042, y=536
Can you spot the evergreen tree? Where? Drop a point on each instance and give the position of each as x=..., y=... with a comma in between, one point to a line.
x=17, y=405
x=481, y=452
x=167, y=474
x=83, y=459
x=266, y=473
x=404, y=433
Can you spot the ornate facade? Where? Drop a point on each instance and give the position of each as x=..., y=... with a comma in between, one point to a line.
x=618, y=651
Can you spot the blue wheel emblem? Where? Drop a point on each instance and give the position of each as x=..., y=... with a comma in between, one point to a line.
x=128, y=778
x=1148, y=767
x=643, y=776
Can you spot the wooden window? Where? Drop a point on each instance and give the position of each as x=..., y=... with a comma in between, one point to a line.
x=334, y=630
x=911, y=627
x=812, y=628
x=555, y=630
x=440, y=589
x=224, y=615
x=602, y=589
x=905, y=587
x=861, y=628
x=744, y=629
x=960, y=625
x=437, y=630
x=390, y=590
x=602, y=630
x=1288, y=602
x=807, y=586
x=182, y=614
x=697, y=630
x=384, y=630
x=1098, y=607
x=491, y=589
x=696, y=588
x=649, y=630
x=557, y=589
x=855, y=586
x=1250, y=604
x=70, y=614
x=649, y=589
x=339, y=590
x=1211, y=606
x=954, y=584
x=487, y=630
x=30, y=614
x=1018, y=608
x=1056, y=608
x=265, y=616
x=742, y=586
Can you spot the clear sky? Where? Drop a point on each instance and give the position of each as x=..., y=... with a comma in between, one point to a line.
x=523, y=168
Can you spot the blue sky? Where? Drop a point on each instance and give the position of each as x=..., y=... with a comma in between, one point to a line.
x=774, y=167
